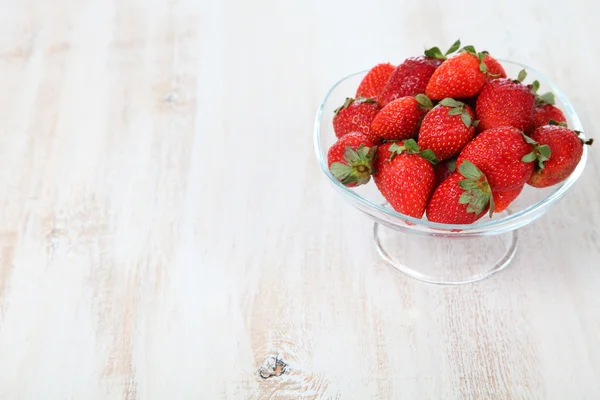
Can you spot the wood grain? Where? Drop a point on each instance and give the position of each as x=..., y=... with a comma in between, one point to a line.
x=165, y=231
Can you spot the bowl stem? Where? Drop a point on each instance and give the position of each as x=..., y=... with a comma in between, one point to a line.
x=445, y=260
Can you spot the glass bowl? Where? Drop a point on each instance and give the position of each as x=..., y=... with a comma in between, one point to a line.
x=444, y=253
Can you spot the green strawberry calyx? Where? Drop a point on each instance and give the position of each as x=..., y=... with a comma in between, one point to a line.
x=451, y=164
x=358, y=167
x=540, y=153
x=350, y=100
x=410, y=146
x=480, y=55
x=553, y=122
x=540, y=99
x=435, y=52
x=424, y=101
x=477, y=193
x=459, y=108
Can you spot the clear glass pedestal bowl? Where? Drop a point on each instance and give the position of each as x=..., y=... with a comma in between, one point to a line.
x=443, y=253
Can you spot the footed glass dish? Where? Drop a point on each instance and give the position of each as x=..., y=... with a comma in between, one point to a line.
x=444, y=253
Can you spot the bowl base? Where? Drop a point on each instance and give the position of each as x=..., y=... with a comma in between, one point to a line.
x=445, y=260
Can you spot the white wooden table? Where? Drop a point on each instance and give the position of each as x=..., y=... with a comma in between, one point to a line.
x=166, y=233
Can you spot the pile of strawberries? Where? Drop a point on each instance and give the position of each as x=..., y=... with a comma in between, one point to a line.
x=451, y=136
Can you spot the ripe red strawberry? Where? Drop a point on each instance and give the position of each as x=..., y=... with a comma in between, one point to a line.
x=447, y=128
x=399, y=119
x=406, y=178
x=503, y=199
x=457, y=77
x=463, y=75
x=463, y=198
x=444, y=170
x=500, y=154
x=350, y=159
x=382, y=159
x=504, y=102
x=494, y=68
x=566, y=148
x=409, y=78
x=354, y=116
x=375, y=80
x=545, y=113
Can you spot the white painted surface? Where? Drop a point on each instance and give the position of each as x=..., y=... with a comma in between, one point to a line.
x=165, y=230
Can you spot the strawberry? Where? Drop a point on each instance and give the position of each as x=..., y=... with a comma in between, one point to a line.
x=458, y=77
x=447, y=128
x=399, y=119
x=443, y=170
x=540, y=99
x=503, y=199
x=566, y=148
x=350, y=159
x=542, y=115
x=354, y=116
x=494, y=68
x=505, y=102
x=375, y=80
x=409, y=78
x=383, y=156
x=462, y=75
x=406, y=177
x=504, y=156
x=463, y=198
x=544, y=110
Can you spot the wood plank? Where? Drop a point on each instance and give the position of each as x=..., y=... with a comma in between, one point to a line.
x=165, y=230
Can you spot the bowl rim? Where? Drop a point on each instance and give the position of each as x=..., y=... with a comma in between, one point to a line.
x=501, y=224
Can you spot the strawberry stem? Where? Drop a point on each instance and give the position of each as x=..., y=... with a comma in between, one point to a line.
x=459, y=108
x=435, y=52
x=540, y=154
x=480, y=55
x=477, y=192
x=367, y=100
x=546, y=98
x=553, y=122
x=410, y=146
x=358, y=168
x=424, y=101
x=454, y=47
x=349, y=100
